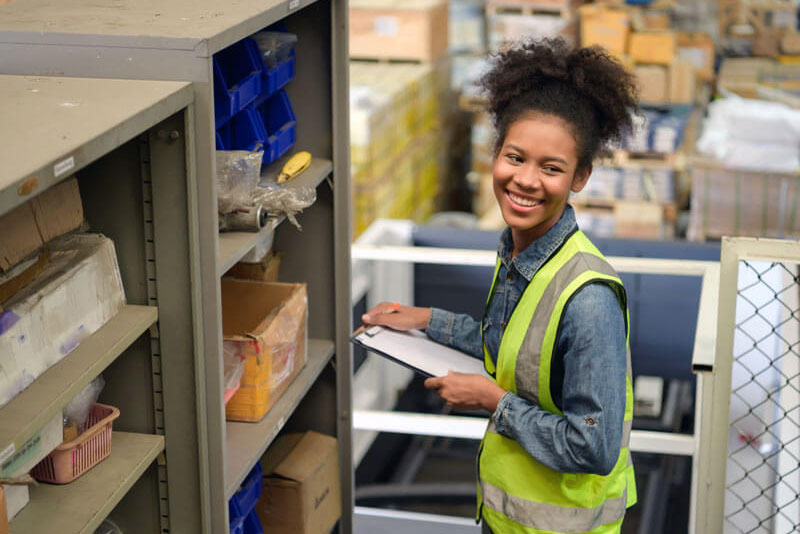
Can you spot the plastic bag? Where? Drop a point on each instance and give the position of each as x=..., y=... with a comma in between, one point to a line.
x=234, y=368
x=77, y=411
x=108, y=527
x=275, y=46
x=281, y=200
x=238, y=173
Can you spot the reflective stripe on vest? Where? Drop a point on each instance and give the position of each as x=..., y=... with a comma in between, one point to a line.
x=519, y=493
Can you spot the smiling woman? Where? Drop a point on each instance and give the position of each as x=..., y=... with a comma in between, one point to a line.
x=554, y=334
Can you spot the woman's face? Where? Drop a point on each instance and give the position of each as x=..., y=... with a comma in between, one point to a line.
x=534, y=171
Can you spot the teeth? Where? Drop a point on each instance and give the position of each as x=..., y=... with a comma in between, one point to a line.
x=523, y=201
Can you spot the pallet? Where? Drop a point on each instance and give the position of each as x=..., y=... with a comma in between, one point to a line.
x=622, y=159
x=510, y=7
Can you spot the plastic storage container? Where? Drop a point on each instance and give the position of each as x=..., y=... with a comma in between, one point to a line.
x=280, y=125
x=237, y=79
x=73, y=458
x=243, y=518
x=244, y=132
x=276, y=50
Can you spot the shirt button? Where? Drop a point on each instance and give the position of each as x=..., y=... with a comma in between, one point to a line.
x=503, y=325
x=509, y=276
x=590, y=421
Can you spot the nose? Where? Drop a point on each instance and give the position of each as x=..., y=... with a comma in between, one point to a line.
x=528, y=177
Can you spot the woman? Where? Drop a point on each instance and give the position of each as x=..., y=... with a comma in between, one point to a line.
x=554, y=335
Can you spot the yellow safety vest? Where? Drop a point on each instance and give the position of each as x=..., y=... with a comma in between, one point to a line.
x=516, y=493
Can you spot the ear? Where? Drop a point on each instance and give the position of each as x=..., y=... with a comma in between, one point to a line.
x=580, y=179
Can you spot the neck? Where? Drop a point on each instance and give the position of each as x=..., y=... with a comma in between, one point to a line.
x=523, y=238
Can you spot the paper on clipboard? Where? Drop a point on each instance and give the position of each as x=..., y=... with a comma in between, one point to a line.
x=414, y=350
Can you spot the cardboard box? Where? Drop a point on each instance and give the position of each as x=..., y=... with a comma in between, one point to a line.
x=265, y=324
x=681, y=82
x=54, y=212
x=414, y=29
x=638, y=220
x=656, y=20
x=506, y=29
x=697, y=47
x=653, y=47
x=301, y=492
x=266, y=270
x=604, y=26
x=3, y=513
x=653, y=88
x=76, y=293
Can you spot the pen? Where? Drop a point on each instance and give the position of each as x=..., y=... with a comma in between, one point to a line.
x=394, y=308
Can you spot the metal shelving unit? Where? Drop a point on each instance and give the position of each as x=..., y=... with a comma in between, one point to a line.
x=151, y=40
x=54, y=128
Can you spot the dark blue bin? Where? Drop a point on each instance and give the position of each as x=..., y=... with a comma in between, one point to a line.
x=237, y=79
x=237, y=527
x=252, y=524
x=280, y=125
x=244, y=500
x=274, y=79
x=243, y=132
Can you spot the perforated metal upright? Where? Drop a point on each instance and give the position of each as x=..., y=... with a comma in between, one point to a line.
x=148, y=39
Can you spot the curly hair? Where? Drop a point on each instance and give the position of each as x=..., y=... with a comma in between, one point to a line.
x=592, y=92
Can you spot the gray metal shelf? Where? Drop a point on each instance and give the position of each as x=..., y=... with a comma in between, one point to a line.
x=246, y=442
x=93, y=117
x=29, y=411
x=234, y=245
x=80, y=506
x=151, y=40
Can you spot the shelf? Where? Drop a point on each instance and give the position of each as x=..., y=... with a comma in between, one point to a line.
x=94, y=117
x=80, y=506
x=234, y=245
x=179, y=25
x=245, y=443
x=29, y=411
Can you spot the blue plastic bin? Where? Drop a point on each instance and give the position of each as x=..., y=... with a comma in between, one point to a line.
x=280, y=125
x=243, y=132
x=237, y=527
x=274, y=79
x=244, y=500
x=252, y=524
x=237, y=79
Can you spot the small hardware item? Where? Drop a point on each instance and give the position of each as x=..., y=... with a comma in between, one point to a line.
x=250, y=219
x=295, y=166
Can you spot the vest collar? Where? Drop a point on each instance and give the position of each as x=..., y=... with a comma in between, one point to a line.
x=532, y=258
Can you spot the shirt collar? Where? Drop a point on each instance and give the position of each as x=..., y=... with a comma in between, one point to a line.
x=531, y=259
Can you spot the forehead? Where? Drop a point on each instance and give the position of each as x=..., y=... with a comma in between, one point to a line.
x=538, y=133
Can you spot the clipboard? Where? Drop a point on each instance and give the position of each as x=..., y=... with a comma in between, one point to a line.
x=414, y=350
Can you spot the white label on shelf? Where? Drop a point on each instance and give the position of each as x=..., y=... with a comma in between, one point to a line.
x=294, y=4
x=7, y=452
x=63, y=166
x=386, y=26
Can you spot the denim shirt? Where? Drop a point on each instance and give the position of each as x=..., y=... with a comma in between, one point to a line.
x=587, y=377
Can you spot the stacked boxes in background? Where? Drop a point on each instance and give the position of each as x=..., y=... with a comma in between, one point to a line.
x=398, y=108
x=509, y=21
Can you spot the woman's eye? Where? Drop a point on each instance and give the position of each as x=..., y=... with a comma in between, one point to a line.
x=513, y=157
x=551, y=169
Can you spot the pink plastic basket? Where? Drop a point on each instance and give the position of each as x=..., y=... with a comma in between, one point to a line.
x=73, y=458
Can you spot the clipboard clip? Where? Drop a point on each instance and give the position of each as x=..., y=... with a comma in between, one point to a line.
x=372, y=331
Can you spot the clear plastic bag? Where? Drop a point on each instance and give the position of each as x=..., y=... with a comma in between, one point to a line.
x=77, y=411
x=234, y=368
x=281, y=200
x=275, y=46
x=108, y=527
x=238, y=173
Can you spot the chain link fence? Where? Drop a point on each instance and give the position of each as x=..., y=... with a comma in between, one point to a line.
x=763, y=465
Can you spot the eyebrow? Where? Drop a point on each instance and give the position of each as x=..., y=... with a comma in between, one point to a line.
x=549, y=158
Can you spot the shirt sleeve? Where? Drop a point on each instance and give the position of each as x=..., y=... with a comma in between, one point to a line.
x=588, y=437
x=457, y=330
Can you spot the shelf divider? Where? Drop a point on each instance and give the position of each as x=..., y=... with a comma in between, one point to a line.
x=234, y=245
x=28, y=412
x=245, y=443
x=80, y=506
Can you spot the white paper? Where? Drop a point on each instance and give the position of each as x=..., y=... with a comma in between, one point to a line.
x=413, y=348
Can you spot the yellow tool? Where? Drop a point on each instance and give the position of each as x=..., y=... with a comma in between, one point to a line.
x=295, y=166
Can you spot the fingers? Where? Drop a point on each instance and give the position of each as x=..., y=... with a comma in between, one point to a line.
x=373, y=315
x=434, y=383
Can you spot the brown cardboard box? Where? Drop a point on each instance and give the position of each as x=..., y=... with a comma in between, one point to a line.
x=790, y=43
x=266, y=270
x=653, y=47
x=3, y=513
x=698, y=47
x=656, y=20
x=56, y=211
x=301, y=493
x=386, y=29
x=638, y=220
x=604, y=26
x=681, y=81
x=265, y=324
x=653, y=87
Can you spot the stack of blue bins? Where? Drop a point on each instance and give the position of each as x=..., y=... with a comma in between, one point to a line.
x=251, y=108
x=242, y=513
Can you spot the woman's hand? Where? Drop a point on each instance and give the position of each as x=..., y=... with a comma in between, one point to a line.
x=394, y=315
x=463, y=391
